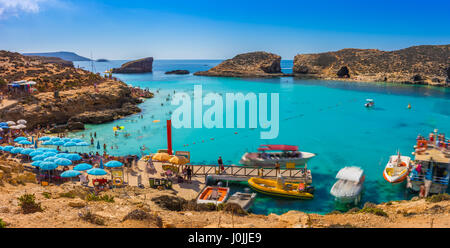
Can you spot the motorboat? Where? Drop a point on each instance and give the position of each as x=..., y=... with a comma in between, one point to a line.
x=397, y=168
x=269, y=155
x=281, y=188
x=244, y=200
x=349, y=186
x=369, y=103
x=213, y=194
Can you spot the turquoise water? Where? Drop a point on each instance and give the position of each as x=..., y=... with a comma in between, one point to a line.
x=324, y=117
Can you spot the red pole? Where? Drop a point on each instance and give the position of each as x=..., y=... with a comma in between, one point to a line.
x=169, y=136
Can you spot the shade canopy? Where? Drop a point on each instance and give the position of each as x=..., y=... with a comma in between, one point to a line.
x=350, y=173
x=97, y=172
x=179, y=160
x=73, y=156
x=161, y=157
x=44, y=165
x=70, y=173
x=38, y=158
x=82, y=167
x=113, y=163
x=51, y=159
x=63, y=161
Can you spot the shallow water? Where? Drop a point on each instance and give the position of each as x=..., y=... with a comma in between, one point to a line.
x=324, y=117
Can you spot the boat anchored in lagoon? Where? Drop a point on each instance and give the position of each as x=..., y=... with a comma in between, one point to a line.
x=349, y=186
x=397, y=168
x=270, y=155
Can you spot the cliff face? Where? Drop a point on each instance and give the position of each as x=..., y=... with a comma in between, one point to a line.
x=418, y=65
x=254, y=64
x=136, y=66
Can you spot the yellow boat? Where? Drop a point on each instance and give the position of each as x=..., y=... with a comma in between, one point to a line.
x=280, y=188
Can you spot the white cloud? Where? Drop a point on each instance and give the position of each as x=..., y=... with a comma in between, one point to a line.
x=16, y=7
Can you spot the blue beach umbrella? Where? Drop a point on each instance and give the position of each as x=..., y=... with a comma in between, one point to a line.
x=96, y=172
x=52, y=150
x=63, y=161
x=113, y=163
x=38, y=158
x=27, y=151
x=70, y=143
x=50, y=159
x=58, y=143
x=25, y=142
x=82, y=167
x=73, y=156
x=8, y=148
x=45, y=165
x=16, y=150
x=35, y=153
x=55, y=139
x=36, y=163
x=20, y=139
x=66, y=139
x=70, y=173
x=49, y=154
x=61, y=155
x=1, y=148
x=76, y=140
x=47, y=143
x=45, y=138
x=82, y=144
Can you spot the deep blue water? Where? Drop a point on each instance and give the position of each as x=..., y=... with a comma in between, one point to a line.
x=324, y=117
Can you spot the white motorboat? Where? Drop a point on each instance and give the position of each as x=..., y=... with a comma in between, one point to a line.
x=349, y=186
x=244, y=200
x=397, y=168
x=269, y=155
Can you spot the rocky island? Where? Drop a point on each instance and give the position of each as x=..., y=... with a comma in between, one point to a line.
x=65, y=96
x=136, y=66
x=427, y=64
x=253, y=64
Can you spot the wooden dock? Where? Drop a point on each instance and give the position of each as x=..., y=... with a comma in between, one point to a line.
x=243, y=173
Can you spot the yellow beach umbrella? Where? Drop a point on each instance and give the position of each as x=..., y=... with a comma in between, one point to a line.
x=179, y=160
x=161, y=157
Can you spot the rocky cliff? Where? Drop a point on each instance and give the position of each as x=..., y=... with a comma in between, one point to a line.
x=428, y=64
x=254, y=64
x=136, y=66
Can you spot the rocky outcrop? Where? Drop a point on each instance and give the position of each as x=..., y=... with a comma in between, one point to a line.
x=254, y=64
x=136, y=66
x=178, y=72
x=111, y=100
x=416, y=65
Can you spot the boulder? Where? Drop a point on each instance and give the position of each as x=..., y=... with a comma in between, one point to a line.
x=136, y=66
x=254, y=64
x=75, y=126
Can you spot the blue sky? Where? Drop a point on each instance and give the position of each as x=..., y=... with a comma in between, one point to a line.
x=209, y=29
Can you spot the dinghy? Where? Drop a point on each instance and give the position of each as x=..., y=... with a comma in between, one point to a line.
x=244, y=200
x=213, y=194
x=397, y=168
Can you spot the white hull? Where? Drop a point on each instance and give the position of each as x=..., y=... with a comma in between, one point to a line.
x=299, y=161
x=395, y=172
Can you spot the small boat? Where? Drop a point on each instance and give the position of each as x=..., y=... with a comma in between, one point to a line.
x=269, y=155
x=397, y=168
x=369, y=103
x=245, y=200
x=213, y=194
x=349, y=186
x=281, y=189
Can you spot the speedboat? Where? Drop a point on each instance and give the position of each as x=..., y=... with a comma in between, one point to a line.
x=213, y=194
x=397, y=168
x=269, y=155
x=369, y=103
x=281, y=188
x=349, y=186
x=244, y=200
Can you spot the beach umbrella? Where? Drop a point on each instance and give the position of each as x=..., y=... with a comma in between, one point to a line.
x=55, y=139
x=70, y=173
x=8, y=148
x=27, y=151
x=63, y=161
x=14, y=127
x=51, y=159
x=76, y=140
x=36, y=163
x=58, y=143
x=45, y=138
x=82, y=144
x=69, y=144
x=38, y=158
x=113, y=163
x=97, y=172
x=22, y=121
x=47, y=165
x=49, y=154
x=21, y=138
x=21, y=126
x=47, y=143
x=61, y=155
x=51, y=150
x=25, y=142
x=10, y=123
x=1, y=148
x=16, y=150
x=82, y=167
x=3, y=124
x=73, y=156
x=178, y=160
x=35, y=153
x=66, y=139
x=161, y=157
